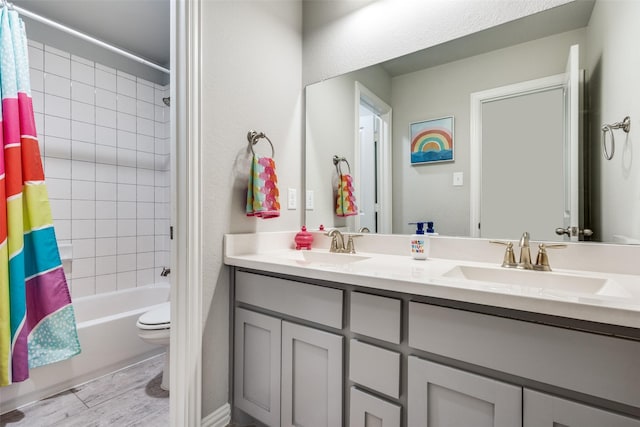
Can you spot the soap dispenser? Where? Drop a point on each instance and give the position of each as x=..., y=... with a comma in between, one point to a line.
x=419, y=242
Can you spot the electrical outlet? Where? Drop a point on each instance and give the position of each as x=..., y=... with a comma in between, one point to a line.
x=309, y=200
x=457, y=179
x=292, y=199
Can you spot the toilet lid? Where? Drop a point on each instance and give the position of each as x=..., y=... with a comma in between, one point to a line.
x=158, y=318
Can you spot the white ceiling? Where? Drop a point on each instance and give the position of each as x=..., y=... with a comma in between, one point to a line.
x=140, y=27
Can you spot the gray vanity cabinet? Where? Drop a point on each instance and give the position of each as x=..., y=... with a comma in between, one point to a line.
x=440, y=396
x=543, y=410
x=257, y=365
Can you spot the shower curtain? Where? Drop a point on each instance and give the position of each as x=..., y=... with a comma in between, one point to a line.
x=37, y=323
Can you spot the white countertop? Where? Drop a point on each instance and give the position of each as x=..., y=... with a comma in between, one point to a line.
x=617, y=303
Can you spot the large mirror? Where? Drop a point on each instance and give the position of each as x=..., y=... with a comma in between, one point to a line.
x=365, y=118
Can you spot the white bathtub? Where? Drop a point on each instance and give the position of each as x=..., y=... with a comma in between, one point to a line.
x=108, y=339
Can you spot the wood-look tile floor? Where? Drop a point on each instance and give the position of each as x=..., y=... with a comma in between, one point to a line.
x=129, y=397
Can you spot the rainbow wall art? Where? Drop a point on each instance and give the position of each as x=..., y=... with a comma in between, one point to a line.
x=432, y=141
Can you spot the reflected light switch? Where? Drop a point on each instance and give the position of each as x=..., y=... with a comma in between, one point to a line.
x=309, y=201
x=457, y=179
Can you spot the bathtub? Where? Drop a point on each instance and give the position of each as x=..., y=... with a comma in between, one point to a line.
x=108, y=338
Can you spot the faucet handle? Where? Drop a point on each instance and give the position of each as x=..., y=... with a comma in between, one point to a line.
x=351, y=249
x=542, y=259
x=509, y=260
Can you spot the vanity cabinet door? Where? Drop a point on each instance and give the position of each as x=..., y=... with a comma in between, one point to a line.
x=257, y=366
x=367, y=410
x=543, y=410
x=311, y=377
x=440, y=396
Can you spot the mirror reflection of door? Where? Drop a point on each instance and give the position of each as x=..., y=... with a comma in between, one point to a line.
x=372, y=162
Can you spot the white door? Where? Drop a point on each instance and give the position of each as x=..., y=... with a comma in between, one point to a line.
x=311, y=377
x=543, y=410
x=441, y=396
x=257, y=366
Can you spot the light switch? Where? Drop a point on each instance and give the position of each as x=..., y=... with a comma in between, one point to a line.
x=457, y=179
x=309, y=200
x=292, y=199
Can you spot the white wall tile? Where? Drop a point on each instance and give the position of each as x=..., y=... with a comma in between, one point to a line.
x=146, y=193
x=127, y=193
x=107, y=191
x=160, y=194
x=85, y=151
x=146, y=210
x=127, y=175
x=103, y=67
x=83, y=267
x=106, y=173
x=127, y=140
x=126, y=245
x=56, y=126
x=39, y=118
x=59, y=52
x=56, y=148
x=37, y=98
x=162, y=211
x=84, y=248
x=81, y=131
x=162, y=243
x=58, y=188
x=57, y=168
x=106, y=264
x=145, y=110
x=83, y=228
x=56, y=85
x=146, y=227
x=126, y=104
x=125, y=85
x=83, y=209
x=106, y=228
x=106, y=117
x=58, y=65
x=159, y=113
x=57, y=106
x=82, y=92
x=36, y=58
x=146, y=177
x=127, y=210
x=81, y=72
x=37, y=80
x=145, y=126
x=146, y=143
x=159, y=130
x=83, y=287
x=60, y=208
x=144, y=277
x=145, y=243
x=161, y=227
x=126, y=280
x=145, y=160
x=126, y=122
x=145, y=260
x=163, y=259
x=126, y=263
x=106, y=155
x=106, y=136
x=104, y=79
x=106, y=246
x=105, y=209
x=82, y=60
x=126, y=227
x=106, y=283
x=85, y=171
x=145, y=91
x=106, y=99
x=62, y=228
x=83, y=112
x=83, y=190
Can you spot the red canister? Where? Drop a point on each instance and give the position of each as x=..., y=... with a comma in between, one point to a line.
x=303, y=239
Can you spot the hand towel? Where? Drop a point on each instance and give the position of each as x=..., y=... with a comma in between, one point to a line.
x=346, y=201
x=262, y=191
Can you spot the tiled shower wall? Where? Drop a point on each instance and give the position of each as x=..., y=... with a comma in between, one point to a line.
x=104, y=139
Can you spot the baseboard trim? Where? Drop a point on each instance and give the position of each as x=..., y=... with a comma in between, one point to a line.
x=218, y=418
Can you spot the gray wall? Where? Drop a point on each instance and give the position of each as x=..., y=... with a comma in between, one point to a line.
x=426, y=191
x=252, y=56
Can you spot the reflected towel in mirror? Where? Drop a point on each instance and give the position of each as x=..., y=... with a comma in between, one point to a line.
x=346, y=201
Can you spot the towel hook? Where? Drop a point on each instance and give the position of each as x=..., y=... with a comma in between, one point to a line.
x=254, y=137
x=337, y=160
x=625, y=125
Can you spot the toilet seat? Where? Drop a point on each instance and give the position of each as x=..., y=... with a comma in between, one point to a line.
x=156, y=319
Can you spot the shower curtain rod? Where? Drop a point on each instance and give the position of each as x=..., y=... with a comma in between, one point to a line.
x=87, y=37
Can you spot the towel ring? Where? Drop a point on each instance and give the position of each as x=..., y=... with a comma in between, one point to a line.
x=337, y=160
x=254, y=137
x=625, y=125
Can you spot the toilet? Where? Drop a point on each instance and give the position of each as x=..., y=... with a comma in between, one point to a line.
x=154, y=327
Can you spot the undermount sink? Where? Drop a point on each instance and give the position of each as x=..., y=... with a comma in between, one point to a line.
x=331, y=257
x=544, y=281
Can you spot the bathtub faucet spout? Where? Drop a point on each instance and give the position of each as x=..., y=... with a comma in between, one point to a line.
x=165, y=271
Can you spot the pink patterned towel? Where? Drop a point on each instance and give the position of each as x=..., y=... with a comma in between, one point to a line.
x=346, y=201
x=262, y=191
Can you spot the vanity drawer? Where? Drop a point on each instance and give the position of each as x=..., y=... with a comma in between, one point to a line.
x=309, y=302
x=547, y=354
x=367, y=410
x=375, y=368
x=376, y=317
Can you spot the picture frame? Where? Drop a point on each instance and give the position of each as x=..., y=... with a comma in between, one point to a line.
x=432, y=141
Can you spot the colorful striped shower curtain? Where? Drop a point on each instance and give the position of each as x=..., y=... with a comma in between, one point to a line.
x=37, y=323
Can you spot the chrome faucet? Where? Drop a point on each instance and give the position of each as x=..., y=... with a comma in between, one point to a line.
x=337, y=241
